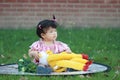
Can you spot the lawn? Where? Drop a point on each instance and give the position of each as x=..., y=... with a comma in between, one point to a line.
x=101, y=44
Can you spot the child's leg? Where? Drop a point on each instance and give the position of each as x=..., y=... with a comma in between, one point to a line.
x=44, y=70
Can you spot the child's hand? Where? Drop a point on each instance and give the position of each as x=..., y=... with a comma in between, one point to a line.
x=34, y=54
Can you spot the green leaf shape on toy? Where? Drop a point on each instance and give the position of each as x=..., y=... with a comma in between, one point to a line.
x=26, y=65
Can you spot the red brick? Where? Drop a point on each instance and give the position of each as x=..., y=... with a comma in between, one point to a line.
x=29, y=5
x=16, y=14
x=116, y=6
x=85, y=10
x=75, y=10
x=41, y=14
x=4, y=14
x=79, y=14
x=17, y=5
x=98, y=10
x=104, y=15
x=111, y=10
x=85, y=1
x=22, y=0
x=35, y=0
x=93, y=6
x=48, y=0
x=55, y=5
x=1, y=9
x=118, y=10
x=63, y=1
x=4, y=5
x=98, y=1
x=113, y=1
x=61, y=10
x=10, y=10
x=23, y=9
x=65, y=14
x=1, y=1
x=105, y=6
x=63, y=5
x=73, y=1
x=42, y=5
x=116, y=15
x=10, y=0
x=80, y=6
x=48, y=10
x=70, y=6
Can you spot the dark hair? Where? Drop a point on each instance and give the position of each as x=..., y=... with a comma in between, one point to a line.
x=44, y=25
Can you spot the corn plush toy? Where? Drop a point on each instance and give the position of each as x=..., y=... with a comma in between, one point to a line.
x=60, y=62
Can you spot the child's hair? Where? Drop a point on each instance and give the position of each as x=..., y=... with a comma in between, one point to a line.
x=44, y=25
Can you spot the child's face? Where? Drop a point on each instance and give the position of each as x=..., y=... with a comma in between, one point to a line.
x=50, y=35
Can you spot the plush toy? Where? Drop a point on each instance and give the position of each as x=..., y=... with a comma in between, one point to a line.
x=60, y=62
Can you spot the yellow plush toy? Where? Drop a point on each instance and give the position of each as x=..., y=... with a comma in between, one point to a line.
x=60, y=62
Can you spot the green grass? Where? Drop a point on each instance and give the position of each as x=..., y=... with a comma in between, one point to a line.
x=101, y=44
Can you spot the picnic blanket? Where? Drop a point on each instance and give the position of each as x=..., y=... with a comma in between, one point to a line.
x=12, y=69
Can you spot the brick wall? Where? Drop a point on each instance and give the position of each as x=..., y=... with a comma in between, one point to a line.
x=27, y=13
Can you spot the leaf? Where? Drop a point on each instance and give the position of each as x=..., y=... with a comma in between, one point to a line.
x=2, y=56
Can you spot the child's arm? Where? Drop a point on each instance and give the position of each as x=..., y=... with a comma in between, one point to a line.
x=33, y=54
x=63, y=47
x=68, y=50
